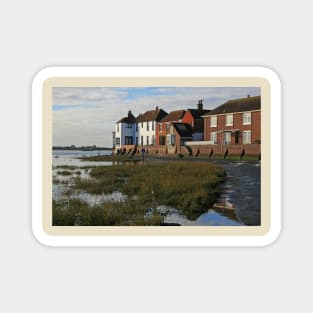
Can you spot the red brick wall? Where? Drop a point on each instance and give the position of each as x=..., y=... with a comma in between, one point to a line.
x=188, y=118
x=255, y=127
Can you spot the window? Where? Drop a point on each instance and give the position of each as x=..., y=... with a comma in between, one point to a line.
x=141, y=140
x=213, y=137
x=227, y=138
x=136, y=127
x=136, y=141
x=229, y=120
x=152, y=125
x=117, y=127
x=160, y=127
x=129, y=125
x=153, y=140
x=246, y=120
x=128, y=140
x=167, y=127
x=173, y=140
x=246, y=137
x=213, y=121
x=117, y=141
x=141, y=124
x=147, y=140
x=147, y=125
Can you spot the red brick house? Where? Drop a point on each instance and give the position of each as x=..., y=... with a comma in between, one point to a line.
x=163, y=131
x=236, y=121
x=195, y=119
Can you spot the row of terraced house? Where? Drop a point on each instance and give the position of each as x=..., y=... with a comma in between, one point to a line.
x=233, y=127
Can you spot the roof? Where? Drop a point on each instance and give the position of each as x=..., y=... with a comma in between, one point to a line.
x=153, y=115
x=197, y=113
x=127, y=119
x=183, y=129
x=174, y=116
x=238, y=105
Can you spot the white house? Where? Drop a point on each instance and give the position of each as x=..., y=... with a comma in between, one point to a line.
x=125, y=130
x=146, y=126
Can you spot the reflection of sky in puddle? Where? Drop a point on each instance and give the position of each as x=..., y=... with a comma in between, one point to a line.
x=212, y=218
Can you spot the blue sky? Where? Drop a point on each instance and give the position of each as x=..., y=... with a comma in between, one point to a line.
x=86, y=115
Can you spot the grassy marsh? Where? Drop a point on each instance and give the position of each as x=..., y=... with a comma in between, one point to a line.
x=189, y=187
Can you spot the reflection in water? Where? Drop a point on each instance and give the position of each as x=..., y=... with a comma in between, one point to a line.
x=213, y=218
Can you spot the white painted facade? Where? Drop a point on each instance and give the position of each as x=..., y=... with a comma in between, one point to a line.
x=145, y=133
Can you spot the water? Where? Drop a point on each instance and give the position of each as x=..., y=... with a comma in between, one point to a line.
x=70, y=157
x=242, y=189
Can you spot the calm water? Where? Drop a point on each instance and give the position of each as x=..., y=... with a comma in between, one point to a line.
x=242, y=188
x=70, y=157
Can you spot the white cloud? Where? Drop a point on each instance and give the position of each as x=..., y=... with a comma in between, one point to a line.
x=87, y=115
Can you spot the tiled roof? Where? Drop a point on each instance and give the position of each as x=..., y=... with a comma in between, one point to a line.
x=127, y=119
x=238, y=105
x=174, y=116
x=183, y=129
x=153, y=115
x=198, y=113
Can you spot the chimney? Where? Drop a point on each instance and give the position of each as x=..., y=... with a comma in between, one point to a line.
x=129, y=113
x=200, y=105
x=156, y=108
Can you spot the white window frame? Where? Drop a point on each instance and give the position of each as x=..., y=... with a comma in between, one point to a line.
x=213, y=118
x=244, y=138
x=213, y=137
x=224, y=138
x=246, y=118
x=227, y=122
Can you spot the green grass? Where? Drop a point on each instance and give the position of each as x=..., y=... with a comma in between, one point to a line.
x=190, y=187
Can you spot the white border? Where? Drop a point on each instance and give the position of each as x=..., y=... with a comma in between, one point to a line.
x=275, y=212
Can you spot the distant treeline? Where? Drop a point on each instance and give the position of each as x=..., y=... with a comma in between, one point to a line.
x=83, y=148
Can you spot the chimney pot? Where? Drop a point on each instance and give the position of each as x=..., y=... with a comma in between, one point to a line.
x=200, y=105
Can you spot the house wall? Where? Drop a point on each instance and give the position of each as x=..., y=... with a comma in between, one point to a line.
x=160, y=133
x=188, y=118
x=122, y=131
x=142, y=131
x=254, y=127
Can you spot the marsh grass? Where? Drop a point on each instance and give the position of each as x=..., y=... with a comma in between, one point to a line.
x=74, y=212
x=189, y=187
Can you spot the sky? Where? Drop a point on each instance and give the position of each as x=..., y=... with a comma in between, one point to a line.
x=85, y=116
